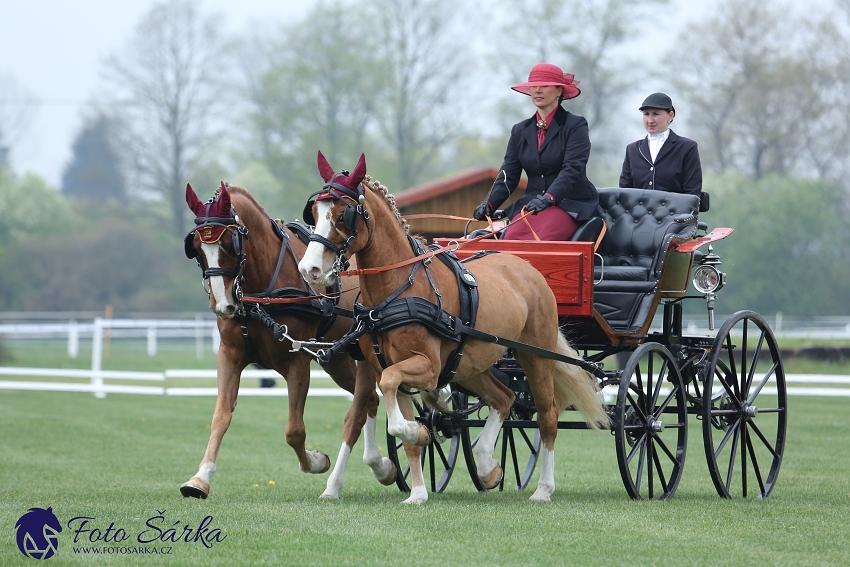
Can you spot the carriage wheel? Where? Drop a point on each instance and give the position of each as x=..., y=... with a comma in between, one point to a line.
x=744, y=419
x=651, y=423
x=438, y=458
x=517, y=447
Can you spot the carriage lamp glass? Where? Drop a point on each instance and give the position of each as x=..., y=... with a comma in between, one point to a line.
x=708, y=279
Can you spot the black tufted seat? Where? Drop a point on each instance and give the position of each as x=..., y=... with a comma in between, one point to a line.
x=641, y=223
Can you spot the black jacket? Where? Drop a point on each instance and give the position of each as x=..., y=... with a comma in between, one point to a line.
x=676, y=169
x=560, y=168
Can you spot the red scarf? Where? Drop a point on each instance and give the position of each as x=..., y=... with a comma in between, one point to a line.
x=541, y=131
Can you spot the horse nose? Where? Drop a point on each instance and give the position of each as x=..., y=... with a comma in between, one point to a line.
x=316, y=274
x=230, y=309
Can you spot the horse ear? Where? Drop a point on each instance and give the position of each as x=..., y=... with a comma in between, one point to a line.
x=359, y=172
x=325, y=169
x=192, y=200
x=224, y=201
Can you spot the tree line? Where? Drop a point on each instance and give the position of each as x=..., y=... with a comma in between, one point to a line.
x=422, y=88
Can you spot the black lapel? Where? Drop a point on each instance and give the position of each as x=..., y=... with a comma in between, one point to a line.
x=643, y=149
x=667, y=147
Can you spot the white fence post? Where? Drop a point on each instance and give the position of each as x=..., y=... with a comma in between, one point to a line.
x=73, y=339
x=97, y=358
x=151, y=341
x=199, y=338
x=216, y=339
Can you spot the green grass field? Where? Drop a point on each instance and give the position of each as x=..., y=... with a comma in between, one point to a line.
x=120, y=460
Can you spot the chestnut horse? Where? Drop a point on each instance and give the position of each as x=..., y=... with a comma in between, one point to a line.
x=243, y=251
x=514, y=302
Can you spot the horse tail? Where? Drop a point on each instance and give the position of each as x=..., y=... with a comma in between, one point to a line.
x=433, y=399
x=578, y=388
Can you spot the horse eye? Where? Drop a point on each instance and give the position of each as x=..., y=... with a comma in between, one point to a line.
x=339, y=219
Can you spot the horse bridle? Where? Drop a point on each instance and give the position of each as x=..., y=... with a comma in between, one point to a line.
x=354, y=210
x=239, y=233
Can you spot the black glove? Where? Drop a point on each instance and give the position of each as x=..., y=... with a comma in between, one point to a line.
x=483, y=210
x=538, y=204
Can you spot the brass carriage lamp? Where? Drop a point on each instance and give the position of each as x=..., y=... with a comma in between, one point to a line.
x=708, y=280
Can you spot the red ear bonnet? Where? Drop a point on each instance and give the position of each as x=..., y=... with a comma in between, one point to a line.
x=194, y=203
x=325, y=169
x=218, y=209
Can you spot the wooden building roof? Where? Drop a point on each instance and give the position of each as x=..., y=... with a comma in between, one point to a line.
x=456, y=195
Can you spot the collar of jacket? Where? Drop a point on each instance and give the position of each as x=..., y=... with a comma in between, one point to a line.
x=530, y=133
x=643, y=147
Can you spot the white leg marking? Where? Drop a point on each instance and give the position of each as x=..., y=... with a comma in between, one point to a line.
x=381, y=466
x=546, y=484
x=337, y=478
x=407, y=431
x=418, y=495
x=206, y=471
x=318, y=462
x=487, y=444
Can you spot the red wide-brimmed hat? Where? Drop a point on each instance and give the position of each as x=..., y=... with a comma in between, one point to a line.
x=545, y=74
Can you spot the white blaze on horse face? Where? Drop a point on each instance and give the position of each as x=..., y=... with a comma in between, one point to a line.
x=224, y=308
x=318, y=260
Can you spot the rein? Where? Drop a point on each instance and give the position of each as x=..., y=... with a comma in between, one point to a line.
x=430, y=254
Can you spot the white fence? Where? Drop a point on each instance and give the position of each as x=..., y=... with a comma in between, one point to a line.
x=205, y=332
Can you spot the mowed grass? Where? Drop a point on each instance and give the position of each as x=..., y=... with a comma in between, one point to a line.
x=122, y=459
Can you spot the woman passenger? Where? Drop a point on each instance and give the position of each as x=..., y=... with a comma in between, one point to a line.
x=662, y=160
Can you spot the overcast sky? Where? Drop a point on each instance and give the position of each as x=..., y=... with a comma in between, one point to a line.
x=54, y=50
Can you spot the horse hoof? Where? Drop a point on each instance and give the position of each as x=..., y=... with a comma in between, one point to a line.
x=389, y=480
x=196, y=488
x=493, y=479
x=424, y=436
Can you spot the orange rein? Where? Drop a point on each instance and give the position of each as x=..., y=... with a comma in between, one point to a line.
x=271, y=300
x=431, y=253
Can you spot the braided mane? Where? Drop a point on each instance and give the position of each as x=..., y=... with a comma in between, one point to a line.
x=377, y=187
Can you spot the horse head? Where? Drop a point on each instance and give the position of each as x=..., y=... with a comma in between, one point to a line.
x=340, y=214
x=219, y=243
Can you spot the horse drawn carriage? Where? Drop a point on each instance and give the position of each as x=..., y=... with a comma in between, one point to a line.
x=482, y=337
x=647, y=250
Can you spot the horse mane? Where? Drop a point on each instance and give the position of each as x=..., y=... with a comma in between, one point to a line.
x=378, y=188
x=236, y=190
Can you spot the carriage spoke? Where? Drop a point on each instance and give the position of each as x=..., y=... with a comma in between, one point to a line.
x=755, y=463
x=641, y=462
x=732, y=456
x=528, y=443
x=660, y=382
x=650, y=459
x=754, y=363
x=752, y=396
x=764, y=440
x=660, y=470
x=744, y=441
x=732, y=431
x=432, y=472
x=443, y=460
x=513, y=452
x=666, y=450
x=638, y=445
x=635, y=406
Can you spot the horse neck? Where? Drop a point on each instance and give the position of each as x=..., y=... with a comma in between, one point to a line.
x=388, y=244
x=265, y=250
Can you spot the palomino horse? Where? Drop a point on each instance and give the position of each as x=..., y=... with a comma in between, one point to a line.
x=243, y=251
x=514, y=302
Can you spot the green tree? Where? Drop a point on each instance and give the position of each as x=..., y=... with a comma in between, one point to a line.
x=313, y=87
x=170, y=79
x=94, y=172
x=789, y=249
x=30, y=208
x=745, y=78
